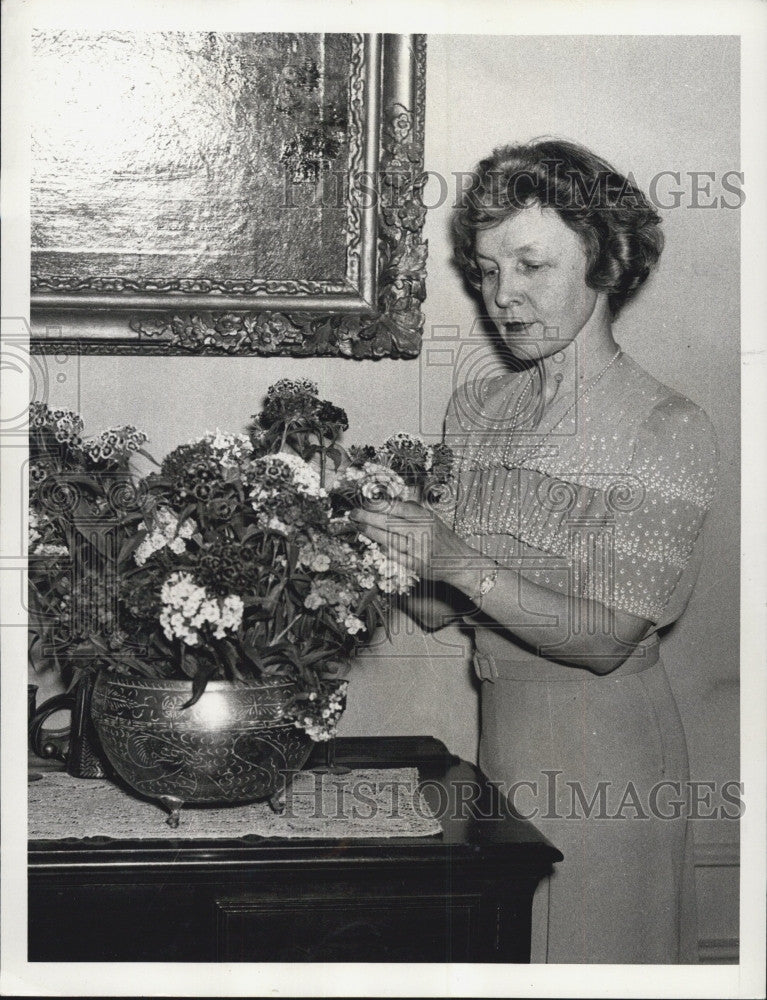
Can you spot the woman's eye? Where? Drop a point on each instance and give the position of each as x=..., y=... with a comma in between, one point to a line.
x=489, y=273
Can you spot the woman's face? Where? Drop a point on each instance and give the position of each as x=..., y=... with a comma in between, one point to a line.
x=534, y=281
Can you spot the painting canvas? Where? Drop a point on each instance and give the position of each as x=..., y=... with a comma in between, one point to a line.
x=228, y=192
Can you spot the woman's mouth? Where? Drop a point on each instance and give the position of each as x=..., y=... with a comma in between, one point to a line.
x=516, y=326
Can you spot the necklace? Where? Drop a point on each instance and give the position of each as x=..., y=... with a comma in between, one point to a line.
x=520, y=398
x=543, y=402
x=581, y=395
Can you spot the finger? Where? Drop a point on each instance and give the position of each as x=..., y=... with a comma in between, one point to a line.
x=401, y=548
x=409, y=510
x=406, y=563
x=379, y=535
x=377, y=519
x=381, y=521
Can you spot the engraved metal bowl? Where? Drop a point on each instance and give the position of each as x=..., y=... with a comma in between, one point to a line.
x=232, y=746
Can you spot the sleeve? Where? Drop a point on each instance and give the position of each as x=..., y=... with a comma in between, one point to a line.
x=465, y=410
x=655, y=514
x=455, y=438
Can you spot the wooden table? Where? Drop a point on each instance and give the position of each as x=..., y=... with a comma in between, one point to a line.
x=464, y=896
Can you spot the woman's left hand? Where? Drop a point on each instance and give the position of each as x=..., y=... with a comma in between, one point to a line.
x=419, y=540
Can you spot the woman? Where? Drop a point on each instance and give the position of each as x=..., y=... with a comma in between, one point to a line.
x=584, y=484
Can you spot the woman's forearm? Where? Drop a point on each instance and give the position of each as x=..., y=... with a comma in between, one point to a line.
x=434, y=605
x=555, y=625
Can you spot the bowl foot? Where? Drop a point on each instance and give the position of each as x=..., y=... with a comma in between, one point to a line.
x=277, y=800
x=174, y=806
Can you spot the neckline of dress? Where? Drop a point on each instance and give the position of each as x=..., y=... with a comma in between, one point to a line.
x=557, y=415
x=569, y=400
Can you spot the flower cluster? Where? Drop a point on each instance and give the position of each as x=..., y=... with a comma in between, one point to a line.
x=390, y=576
x=318, y=714
x=287, y=496
x=225, y=565
x=361, y=453
x=64, y=425
x=163, y=529
x=43, y=536
x=238, y=559
x=329, y=592
x=423, y=470
x=196, y=474
x=187, y=607
x=415, y=460
x=284, y=390
x=297, y=401
x=407, y=451
x=233, y=451
x=114, y=445
x=294, y=416
x=76, y=485
x=344, y=572
x=372, y=482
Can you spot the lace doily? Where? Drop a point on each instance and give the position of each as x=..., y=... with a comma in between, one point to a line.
x=363, y=803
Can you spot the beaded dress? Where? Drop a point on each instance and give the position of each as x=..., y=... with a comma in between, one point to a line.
x=605, y=498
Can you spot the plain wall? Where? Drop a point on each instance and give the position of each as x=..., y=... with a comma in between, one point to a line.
x=647, y=104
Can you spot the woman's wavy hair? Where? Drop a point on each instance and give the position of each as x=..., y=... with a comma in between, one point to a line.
x=619, y=228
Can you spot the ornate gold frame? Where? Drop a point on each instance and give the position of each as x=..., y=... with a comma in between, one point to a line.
x=374, y=313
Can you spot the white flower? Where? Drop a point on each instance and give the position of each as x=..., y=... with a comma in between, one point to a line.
x=306, y=479
x=391, y=576
x=50, y=549
x=187, y=607
x=353, y=624
x=314, y=558
x=34, y=535
x=313, y=600
x=231, y=450
x=164, y=529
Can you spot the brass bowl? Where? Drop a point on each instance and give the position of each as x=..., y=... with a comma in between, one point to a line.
x=232, y=746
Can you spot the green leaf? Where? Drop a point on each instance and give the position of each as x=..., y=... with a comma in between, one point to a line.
x=163, y=647
x=98, y=644
x=367, y=600
x=189, y=664
x=80, y=480
x=232, y=659
x=383, y=618
x=190, y=509
x=199, y=683
x=312, y=658
x=160, y=482
x=151, y=458
x=129, y=547
x=253, y=654
x=338, y=457
x=142, y=667
x=130, y=519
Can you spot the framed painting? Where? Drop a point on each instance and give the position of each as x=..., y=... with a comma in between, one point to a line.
x=227, y=193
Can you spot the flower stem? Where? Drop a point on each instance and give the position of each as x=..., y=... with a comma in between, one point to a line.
x=284, y=631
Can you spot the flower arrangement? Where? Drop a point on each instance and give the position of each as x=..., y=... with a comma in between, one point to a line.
x=237, y=559
x=79, y=506
x=404, y=467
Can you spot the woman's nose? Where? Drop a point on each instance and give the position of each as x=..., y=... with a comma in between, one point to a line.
x=507, y=291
